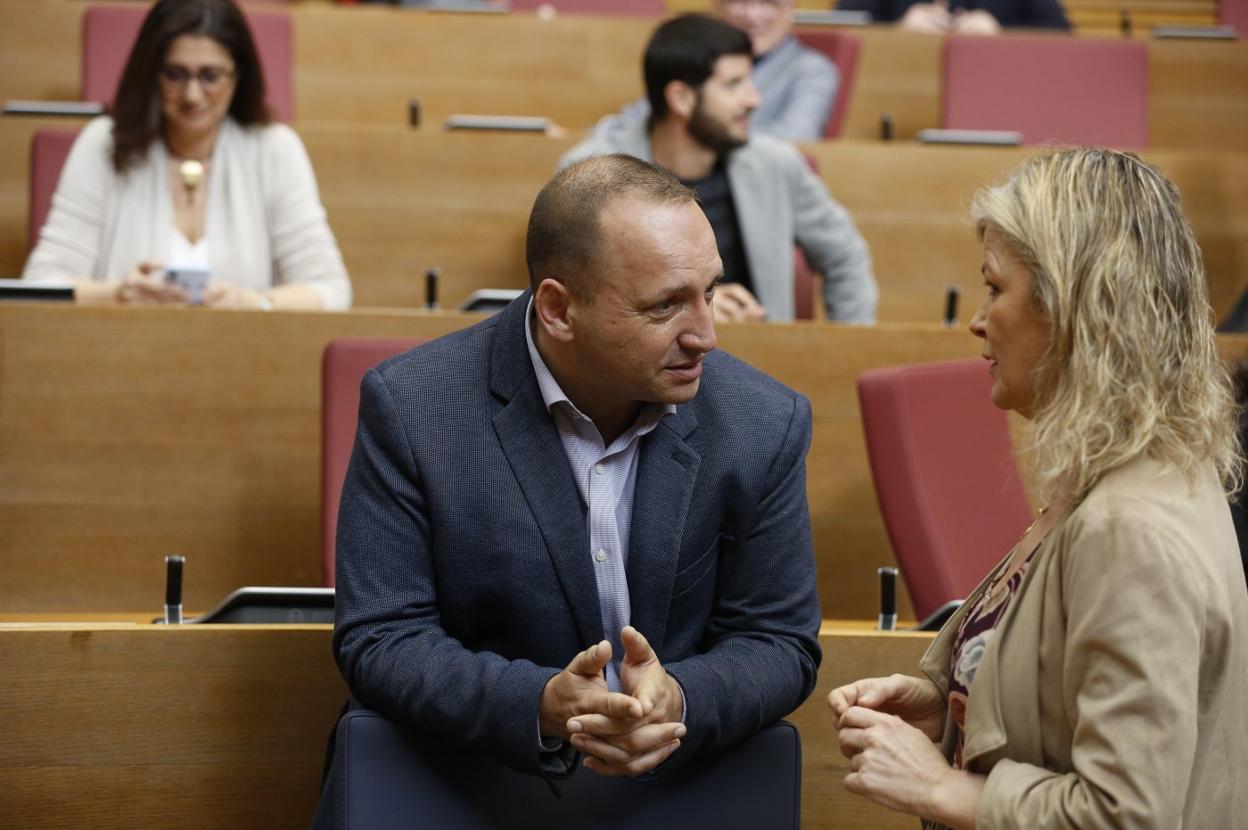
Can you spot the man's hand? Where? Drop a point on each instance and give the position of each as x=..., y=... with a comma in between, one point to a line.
x=975, y=22
x=633, y=745
x=733, y=303
x=580, y=689
x=928, y=18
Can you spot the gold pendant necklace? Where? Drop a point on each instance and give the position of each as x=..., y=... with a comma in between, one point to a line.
x=192, y=173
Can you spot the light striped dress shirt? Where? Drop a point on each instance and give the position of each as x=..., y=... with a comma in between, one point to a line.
x=605, y=476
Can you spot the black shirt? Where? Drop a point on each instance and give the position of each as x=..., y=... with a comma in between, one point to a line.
x=715, y=196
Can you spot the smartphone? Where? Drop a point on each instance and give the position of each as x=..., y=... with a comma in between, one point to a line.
x=192, y=280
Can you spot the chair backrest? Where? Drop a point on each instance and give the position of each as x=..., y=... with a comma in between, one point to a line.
x=949, y=489
x=109, y=32
x=842, y=48
x=1059, y=90
x=1234, y=13
x=48, y=150
x=342, y=368
x=612, y=8
x=389, y=777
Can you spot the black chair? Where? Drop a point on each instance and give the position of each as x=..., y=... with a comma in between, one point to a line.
x=388, y=776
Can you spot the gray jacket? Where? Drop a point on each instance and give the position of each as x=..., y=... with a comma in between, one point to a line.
x=779, y=202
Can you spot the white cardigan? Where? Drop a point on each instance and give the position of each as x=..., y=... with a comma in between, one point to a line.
x=265, y=225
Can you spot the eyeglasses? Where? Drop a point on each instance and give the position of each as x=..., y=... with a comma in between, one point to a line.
x=211, y=78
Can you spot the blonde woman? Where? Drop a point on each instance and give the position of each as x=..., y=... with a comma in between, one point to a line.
x=1098, y=677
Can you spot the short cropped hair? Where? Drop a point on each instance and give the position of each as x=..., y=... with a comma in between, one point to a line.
x=136, y=110
x=1132, y=367
x=565, y=239
x=685, y=49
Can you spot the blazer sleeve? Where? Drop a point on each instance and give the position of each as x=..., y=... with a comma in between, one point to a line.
x=813, y=84
x=304, y=249
x=388, y=639
x=1136, y=611
x=762, y=653
x=827, y=234
x=69, y=242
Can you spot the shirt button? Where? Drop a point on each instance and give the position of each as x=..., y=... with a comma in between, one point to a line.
x=601, y=556
x=599, y=469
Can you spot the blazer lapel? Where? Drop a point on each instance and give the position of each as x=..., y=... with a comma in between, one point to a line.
x=667, y=470
x=535, y=454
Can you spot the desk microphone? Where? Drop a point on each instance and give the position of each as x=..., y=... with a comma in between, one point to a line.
x=431, y=288
x=952, y=295
x=888, y=600
x=173, y=589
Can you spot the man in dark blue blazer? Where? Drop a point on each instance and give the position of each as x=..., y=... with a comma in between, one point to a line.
x=574, y=530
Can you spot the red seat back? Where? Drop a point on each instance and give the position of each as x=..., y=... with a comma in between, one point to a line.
x=342, y=369
x=48, y=150
x=949, y=489
x=109, y=32
x=1052, y=90
x=1234, y=13
x=842, y=49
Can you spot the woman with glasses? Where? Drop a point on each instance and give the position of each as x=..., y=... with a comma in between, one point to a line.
x=187, y=193
x=1097, y=677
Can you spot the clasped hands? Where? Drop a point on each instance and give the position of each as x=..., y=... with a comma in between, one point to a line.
x=887, y=728
x=620, y=733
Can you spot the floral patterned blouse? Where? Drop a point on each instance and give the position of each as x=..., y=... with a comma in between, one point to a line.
x=974, y=635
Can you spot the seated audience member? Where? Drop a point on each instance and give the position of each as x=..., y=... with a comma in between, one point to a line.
x=963, y=17
x=189, y=174
x=758, y=193
x=797, y=85
x=1097, y=677
x=576, y=531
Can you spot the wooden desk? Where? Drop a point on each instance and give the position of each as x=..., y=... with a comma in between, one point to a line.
x=135, y=726
x=129, y=434
x=401, y=202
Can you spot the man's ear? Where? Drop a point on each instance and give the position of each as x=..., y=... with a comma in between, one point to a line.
x=551, y=305
x=681, y=98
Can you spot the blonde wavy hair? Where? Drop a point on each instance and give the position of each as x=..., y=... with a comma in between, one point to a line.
x=1132, y=367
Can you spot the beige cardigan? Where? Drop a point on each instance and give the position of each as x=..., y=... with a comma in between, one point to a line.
x=1115, y=692
x=265, y=225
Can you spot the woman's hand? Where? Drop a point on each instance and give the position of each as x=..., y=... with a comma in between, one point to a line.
x=146, y=285
x=221, y=294
x=895, y=765
x=915, y=700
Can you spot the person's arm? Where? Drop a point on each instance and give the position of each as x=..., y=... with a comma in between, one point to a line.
x=68, y=246
x=388, y=638
x=827, y=234
x=308, y=267
x=813, y=82
x=1133, y=651
x=762, y=652
x=1042, y=14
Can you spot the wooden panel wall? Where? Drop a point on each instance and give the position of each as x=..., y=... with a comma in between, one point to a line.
x=138, y=727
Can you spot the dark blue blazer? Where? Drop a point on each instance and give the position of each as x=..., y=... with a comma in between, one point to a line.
x=464, y=578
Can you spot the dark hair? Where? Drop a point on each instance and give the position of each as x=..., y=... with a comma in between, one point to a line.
x=136, y=109
x=685, y=49
x=565, y=229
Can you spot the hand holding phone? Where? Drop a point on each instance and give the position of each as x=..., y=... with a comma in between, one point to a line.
x=191, y=280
